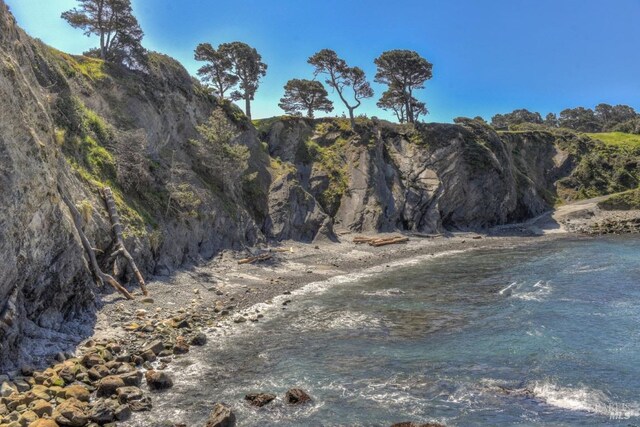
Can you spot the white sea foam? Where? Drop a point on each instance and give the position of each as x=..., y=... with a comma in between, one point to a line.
x=384, y=292
x=584, y=399
x=274, y=307
x=508, y=290
x=520, y=290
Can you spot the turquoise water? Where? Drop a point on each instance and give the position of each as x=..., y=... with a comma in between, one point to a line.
x=538, y=335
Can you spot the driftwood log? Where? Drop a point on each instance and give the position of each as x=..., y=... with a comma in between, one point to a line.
x=121, y=249
x=251, y=260
x=98, y=274
x=392, y=241
x=380, y=241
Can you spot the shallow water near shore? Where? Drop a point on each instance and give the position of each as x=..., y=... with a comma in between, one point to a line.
x=546, y=334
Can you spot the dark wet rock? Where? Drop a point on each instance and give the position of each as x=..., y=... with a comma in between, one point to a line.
x=129, y=393
x=123, y=413
x=158, y=380
x=91, y=360
x=182, y=324
x=221, y=416
x=98, y=372
x=297, y=396
x=141, y=405
x=27, y=370
x=259, y=399
x=132, y=378
x=109, y=385
x=126, y=358
x=103, y=411
x=181, y=346
x=148, y=356
x=155, y=347
x=199, y=339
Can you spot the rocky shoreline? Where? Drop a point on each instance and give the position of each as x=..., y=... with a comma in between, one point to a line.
x=115, y=373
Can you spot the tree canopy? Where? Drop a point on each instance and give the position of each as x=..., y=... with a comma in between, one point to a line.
x=217, y=70
x=517, y=117
x=305, y=95
x=247, y=67
x=604, y=118
x=340, y=76
x=395, y=101
x=403, y=71
x=115, y=25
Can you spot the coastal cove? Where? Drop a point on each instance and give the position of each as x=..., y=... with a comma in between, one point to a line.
x=406, y=340
x=254, y=214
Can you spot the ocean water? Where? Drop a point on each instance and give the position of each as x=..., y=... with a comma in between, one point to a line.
x=547, y=334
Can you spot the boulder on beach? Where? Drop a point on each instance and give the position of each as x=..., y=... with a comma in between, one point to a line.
x=297, y=396
x=259, y=399
x=221, y=416
x=199, y=339
x=157, y=380
x=108, y=386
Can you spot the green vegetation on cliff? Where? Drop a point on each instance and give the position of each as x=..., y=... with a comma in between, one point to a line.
x=623, y=201
x=618, y=139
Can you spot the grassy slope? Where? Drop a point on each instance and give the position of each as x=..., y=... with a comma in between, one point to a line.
x=618, y=139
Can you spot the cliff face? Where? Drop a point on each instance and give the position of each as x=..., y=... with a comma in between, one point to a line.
x=387, y=177
x=78, y=124
x=75, y=124
x=42, y=279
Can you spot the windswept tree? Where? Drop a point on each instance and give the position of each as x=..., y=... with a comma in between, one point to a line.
x=247, y=67
x=305, y=95
x=580, y=119
x=218, y=69
x=340, y=76
x=610, y=116
x=118, y=30
x=551, y=120
x=394, y=100
x=516, y=117
x=404, y=71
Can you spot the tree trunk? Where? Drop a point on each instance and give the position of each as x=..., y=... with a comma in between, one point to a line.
x=98, y=274
x=352, y=117
x=103, y=52
x=410, y=115
x=247, y=106
x=117, y=231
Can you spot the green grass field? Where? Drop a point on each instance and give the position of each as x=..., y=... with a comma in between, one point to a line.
x=618, y=139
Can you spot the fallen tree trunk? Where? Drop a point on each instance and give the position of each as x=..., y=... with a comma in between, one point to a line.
x=251, y=260
x=392, y=241
x=380, y=241
x=98, y=274
x=116, y=225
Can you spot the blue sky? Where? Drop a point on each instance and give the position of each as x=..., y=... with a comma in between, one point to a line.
x=489, y=56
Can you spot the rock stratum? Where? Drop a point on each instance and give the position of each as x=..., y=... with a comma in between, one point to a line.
x=74, y=124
